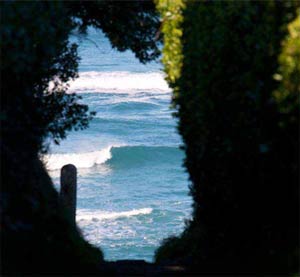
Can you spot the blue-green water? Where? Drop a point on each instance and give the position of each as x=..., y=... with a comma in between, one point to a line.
x=132, y=189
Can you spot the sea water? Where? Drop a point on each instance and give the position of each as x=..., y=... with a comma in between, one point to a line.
x=132, y=189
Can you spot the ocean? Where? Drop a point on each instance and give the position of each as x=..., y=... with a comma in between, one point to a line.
x=132, y=189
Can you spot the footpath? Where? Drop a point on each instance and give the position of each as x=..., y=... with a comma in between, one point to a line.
x=142, y=268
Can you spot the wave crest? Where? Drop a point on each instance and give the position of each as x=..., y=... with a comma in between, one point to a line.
x=99, y=215
x=80, y=160
x=119, y=81
x=114, y=155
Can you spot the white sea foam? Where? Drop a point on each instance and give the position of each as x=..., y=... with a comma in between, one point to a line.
x=80, y=160
x=88, y=216
x=119, y=82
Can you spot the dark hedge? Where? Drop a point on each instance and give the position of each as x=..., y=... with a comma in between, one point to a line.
x=238, y=110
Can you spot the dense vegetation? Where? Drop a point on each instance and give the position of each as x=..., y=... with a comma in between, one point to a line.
x=36, y=237
x=234, y=68
x=235, y=71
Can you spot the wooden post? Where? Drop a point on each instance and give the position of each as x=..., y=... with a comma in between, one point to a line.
x=68, y=190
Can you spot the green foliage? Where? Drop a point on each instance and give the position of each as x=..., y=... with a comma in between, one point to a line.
x=240, y=144
x=171, y=13
x=288, y=75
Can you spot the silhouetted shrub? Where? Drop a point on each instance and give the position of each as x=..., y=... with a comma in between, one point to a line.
x=240, y=136
x=36, y=237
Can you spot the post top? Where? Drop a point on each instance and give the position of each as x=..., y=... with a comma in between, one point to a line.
x=69, y=167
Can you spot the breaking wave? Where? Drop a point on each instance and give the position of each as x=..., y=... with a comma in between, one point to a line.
x=119, y=82
x=80, y=160
x=83, y=215
x=116, y=156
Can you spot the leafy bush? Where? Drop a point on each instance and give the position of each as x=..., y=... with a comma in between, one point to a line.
x=240, y=142
x=36, y=62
